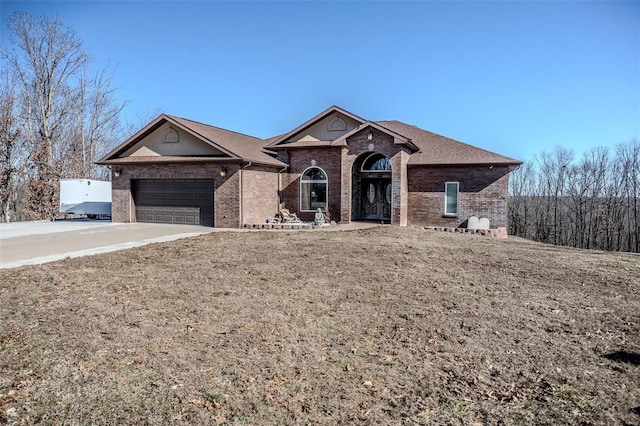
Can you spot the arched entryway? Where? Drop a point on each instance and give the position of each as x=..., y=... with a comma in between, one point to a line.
x=371, y=187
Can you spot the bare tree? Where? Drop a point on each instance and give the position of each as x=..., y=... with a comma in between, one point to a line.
x=96, y=124
x=70, y=117
x=628, y=159
x=593, y=203
x=585, y=188
x=521, y=183
x=11, y=156
x=551, y=189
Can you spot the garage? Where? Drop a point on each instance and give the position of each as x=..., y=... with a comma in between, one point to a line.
x=178, y=201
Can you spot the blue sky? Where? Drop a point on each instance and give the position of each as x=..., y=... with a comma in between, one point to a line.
x=516, y=78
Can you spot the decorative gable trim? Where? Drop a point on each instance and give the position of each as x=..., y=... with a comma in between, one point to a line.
x=150, y=128
x=313, y=121
x=398, y=139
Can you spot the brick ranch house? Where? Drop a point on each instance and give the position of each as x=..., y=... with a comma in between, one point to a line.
x=176, y=170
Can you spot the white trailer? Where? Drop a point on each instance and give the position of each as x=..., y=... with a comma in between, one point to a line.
x=85, y=196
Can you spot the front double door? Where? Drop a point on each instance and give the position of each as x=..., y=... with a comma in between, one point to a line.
x=376, y=198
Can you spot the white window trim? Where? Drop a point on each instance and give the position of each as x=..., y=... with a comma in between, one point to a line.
x=303, y=181
x=446, y=213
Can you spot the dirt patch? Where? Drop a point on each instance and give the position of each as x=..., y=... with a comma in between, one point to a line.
x=386, y=325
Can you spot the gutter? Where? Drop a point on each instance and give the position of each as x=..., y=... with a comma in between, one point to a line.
x=487, y=164
x=177, y=160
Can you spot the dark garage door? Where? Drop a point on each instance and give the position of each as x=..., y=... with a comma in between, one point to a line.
x=185, y=201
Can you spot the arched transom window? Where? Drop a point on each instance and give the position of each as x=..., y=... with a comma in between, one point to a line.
x=313, y=189
x=376, y=162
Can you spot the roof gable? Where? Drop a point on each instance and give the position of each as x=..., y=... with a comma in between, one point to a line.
x=329, y=125
x=398, y=139
x=427, y=148
x=204, y=142
x=174, y=139
x=171, y=140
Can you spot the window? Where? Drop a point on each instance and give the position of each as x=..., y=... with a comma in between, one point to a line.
x=451, y=198
x=313, y=189
x=376, y=163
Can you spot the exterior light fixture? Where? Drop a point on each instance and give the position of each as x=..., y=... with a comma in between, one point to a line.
x=369, y=136
x=117, y=172
x=223, y=171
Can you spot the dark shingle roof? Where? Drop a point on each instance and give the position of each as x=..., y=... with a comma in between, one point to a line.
x=429, y=148
x=436, y=149
x=243, y=146
x=234, y=146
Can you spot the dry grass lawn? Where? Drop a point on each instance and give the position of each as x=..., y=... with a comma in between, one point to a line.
x=386, y=325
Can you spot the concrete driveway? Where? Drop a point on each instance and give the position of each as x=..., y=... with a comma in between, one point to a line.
x=31, y=243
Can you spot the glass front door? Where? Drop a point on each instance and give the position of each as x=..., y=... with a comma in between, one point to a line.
x=376, y=199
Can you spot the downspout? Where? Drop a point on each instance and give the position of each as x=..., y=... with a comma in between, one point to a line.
x=242, y=194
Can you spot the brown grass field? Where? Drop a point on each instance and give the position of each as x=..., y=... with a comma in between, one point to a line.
x=382, y=326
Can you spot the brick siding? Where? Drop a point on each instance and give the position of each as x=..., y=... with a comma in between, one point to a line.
x=383, y=143
x=226, y=198
x=418, y=191
x=259, y=194
x=328, y=159
x=482, y=193
x=338, y=164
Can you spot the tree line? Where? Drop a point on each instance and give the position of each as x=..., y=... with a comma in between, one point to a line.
x=592, y=202
x=57, y=116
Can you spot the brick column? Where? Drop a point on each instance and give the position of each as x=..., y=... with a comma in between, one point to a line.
x=399, y=188
x=121, y=199
x=346, y=163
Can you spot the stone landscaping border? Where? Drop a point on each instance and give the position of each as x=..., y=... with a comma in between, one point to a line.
x=282, y=226
x=493, y=232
